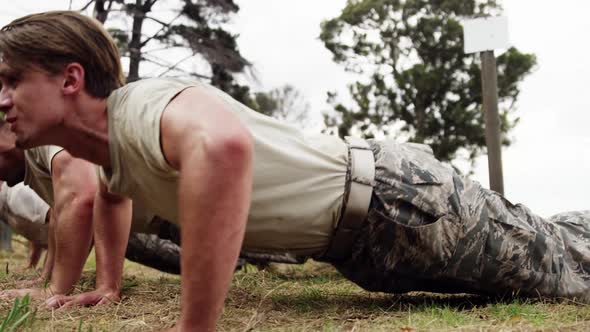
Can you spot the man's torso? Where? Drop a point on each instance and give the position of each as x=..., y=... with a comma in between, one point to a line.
x=298, y=182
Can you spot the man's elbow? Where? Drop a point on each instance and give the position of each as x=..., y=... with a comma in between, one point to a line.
x=78, y=208
x=233, y=150
x=83, y=205
x=239, y=147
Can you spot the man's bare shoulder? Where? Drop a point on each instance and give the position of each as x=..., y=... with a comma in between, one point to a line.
x=59, y=161
x=195, y=116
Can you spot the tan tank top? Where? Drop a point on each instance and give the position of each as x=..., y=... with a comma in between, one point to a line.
x=38, y=178
x=38, y=170
x=299, y=179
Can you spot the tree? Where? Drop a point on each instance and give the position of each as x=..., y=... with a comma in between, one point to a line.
x=418, y=83
x=177, y=38
x=285, y=103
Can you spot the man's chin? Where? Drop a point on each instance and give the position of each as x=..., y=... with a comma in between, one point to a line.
x=21, y=141
x=23, y=144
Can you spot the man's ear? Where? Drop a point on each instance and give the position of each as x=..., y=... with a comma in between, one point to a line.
x=73, y=81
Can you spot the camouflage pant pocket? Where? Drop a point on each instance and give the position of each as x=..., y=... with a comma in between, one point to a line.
x=396, y=257
x=412, y=185
x=417, y=250
x=411, y=207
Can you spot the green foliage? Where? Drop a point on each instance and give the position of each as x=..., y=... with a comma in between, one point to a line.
x=418, y=84
x=20, y=315
x=285, y=103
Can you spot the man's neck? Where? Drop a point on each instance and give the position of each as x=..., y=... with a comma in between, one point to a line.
x=85, y=132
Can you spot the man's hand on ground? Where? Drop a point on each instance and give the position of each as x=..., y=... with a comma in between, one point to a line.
x=85, y=299
x=22, y=269
x=35, y=282
x=34, y=293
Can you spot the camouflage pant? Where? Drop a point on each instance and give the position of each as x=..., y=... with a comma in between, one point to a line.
x=429, y=229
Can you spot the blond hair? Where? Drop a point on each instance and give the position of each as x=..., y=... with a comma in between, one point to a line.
x=51, y=40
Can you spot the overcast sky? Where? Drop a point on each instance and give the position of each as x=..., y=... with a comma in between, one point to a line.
x=547, y=168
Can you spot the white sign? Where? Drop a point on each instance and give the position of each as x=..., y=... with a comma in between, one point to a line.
x=485, y=34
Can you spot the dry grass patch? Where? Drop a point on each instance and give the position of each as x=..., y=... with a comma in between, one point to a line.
x=312, y=297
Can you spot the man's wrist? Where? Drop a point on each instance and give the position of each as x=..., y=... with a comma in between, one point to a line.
x=106, y=289
x=107, y=283
x=190, y=324
x=52, y=289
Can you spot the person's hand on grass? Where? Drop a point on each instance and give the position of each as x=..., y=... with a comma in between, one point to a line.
x=34, y=293
x=85, y=299
x=37, y=281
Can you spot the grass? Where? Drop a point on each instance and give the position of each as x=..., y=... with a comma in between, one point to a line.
x=312, y=297
x=20, y=315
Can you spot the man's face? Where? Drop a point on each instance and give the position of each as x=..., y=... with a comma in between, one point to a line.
x=32, y=103
x=12, y=162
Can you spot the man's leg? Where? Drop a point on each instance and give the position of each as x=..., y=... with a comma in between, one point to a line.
x=430, y=229
x=153, y=251
x=140, y=247
x=520, y=251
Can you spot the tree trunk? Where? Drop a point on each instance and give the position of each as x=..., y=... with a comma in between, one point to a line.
x=100, y=13
x=139, y=13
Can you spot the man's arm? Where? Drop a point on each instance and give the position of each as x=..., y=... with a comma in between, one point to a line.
x=49, y=256
x=213, y=152
x=45, y=275
x=74, y=187
x=111, y=226
x=70, y=228
x=111, y=234
x=35, y=251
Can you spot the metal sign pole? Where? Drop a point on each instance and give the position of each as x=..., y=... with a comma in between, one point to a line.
x=484, y=35
x=489, y=83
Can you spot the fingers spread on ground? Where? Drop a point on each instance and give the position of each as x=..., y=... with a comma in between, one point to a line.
x=10, y=294
x=81, y=300
x=57, y=301
x=107, y=300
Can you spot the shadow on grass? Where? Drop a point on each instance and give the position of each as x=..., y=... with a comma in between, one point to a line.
x=314, y=300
